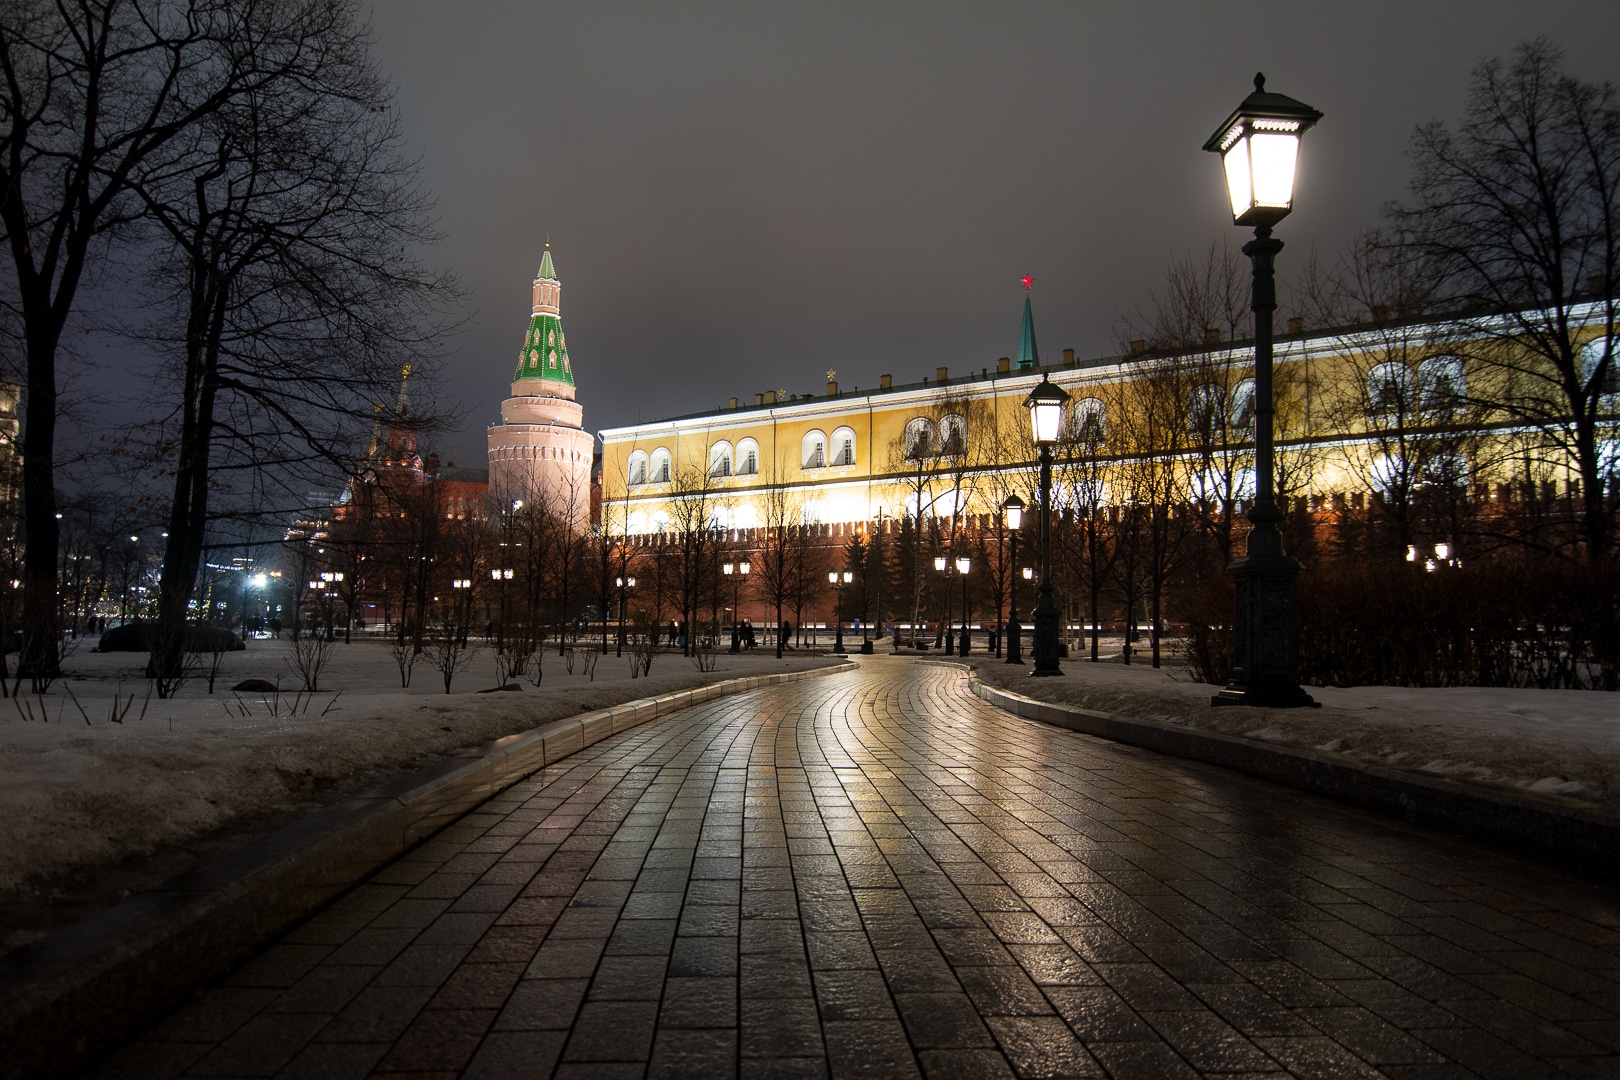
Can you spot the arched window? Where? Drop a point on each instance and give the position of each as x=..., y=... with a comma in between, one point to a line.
x=660, y=467
x=638, y=468
x=919, y=438
x=1592, y=355
x=1241, y=405
x=1218, y=486
x=748, y=458
x=1440, y=384
x=1389, y=475
x=719, y=460
x=1389, y=390
x=1088, y=421
x=843, y=446
x=1446, y=470
x=953, y=436
x=815, y=450
x=1206, y=406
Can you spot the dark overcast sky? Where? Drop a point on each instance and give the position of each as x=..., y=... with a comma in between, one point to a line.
x=741, y=197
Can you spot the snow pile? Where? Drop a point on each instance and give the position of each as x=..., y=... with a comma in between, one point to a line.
x=1552, y=742
x=198, y=772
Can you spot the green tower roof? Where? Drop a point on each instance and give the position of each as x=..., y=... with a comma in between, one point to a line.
x=1029, y=357
x=545, y=352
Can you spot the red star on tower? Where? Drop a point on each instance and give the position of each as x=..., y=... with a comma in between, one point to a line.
x=1028, y=281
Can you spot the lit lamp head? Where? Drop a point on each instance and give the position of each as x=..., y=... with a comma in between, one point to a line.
x=1029, y=573
x=832, y=577
x=849, y=576
x=939, y=563
x=1045, y=405
x=1013, y=510
x=1259, y=146
x=726, y=569
x=962, y=564
x=742, y=568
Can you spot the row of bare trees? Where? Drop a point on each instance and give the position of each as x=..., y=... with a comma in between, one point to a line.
x=238, y=163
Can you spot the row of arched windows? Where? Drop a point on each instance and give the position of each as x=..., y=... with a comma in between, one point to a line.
x=819, y=452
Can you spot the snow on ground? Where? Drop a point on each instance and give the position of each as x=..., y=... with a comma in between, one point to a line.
x=84, y=804
x=1554, y=742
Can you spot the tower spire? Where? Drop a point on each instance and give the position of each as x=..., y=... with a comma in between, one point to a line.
x=545, y=351
x=1029, y=356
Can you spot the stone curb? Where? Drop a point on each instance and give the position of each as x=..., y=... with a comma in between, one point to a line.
x=1545, y=826
x=79, y=993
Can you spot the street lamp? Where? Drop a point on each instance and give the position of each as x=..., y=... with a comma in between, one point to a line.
x=736, y=623
x=839, y=581
x=1012, y=514
x=962, y=567
x=1259, y=148
x=501, y=576
x=1045, y=404
x=623, y=584
x=940, y=562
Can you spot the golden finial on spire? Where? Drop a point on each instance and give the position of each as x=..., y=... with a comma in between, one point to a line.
x=831, y=374
x=405, y=373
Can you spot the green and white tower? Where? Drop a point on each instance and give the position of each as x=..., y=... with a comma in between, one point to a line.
x=540, y=452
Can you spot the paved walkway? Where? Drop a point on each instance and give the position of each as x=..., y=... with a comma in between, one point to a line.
x=875, y=874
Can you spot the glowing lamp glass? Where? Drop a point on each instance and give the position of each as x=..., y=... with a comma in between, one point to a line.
x=939, y=563
x=1013, y=509
x=1029, y=573
x=832, y=577
x=962, y=565
x=1045, y=404
x=744, y=567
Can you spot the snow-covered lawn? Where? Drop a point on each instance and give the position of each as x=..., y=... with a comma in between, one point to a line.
x=87, y=806
x=1557, y=742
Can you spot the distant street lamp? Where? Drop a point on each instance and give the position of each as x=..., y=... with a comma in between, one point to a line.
x=736, y=616
x=501, y=576
x=1259, y=148
x=962, y=567
x=624, y=584
x=1012, y=515
x=1045, y=404
x=839, y=581
x=940, y=562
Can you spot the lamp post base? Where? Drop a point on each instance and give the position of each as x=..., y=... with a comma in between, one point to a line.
x=1263, y=671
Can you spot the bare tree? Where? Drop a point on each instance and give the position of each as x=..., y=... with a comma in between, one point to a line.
x=1516, y=213
x=285, y=287
x=91, y=94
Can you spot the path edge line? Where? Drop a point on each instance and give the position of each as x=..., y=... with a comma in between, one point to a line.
x=77, y=994
x=1540, y=825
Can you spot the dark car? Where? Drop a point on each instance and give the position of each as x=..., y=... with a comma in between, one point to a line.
x=137, y=637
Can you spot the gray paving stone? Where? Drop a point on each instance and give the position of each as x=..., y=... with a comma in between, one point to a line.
x=875, y=875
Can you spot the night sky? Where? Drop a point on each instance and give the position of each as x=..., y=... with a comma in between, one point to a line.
x=740, y=198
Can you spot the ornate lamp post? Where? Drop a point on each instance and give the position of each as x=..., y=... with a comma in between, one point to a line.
x=1259, y=148
x=1012, y=515
x=1045, y=404
x=501, y=577
x=839, y=581
x=624, y=585
x=940, y=563
x=962, y=568
x=736, y=623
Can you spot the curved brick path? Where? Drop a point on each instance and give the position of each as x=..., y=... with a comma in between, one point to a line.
x=875, y=874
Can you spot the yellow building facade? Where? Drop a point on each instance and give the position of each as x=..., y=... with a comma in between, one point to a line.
x=948, y=445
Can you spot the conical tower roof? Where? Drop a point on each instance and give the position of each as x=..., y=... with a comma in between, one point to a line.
x=1029, y=356
x=545, y=350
